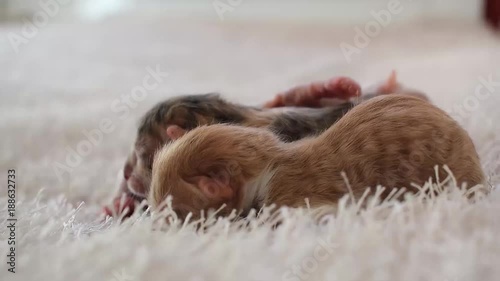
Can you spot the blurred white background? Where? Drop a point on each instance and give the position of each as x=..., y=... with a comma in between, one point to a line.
x=337, y=11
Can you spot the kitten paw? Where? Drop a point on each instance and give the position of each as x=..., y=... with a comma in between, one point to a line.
x=125, y=207
x=311, y=95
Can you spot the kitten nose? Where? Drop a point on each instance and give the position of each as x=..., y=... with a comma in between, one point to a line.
x=127, y=171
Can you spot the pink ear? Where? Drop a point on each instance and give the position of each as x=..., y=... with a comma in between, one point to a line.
x=216, y=187
x=391, y=84
x=174, y=132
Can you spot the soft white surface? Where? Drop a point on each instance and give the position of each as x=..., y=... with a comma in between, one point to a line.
x=65, y=79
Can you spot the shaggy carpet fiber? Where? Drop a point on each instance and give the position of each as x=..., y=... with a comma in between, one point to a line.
x=68, y=122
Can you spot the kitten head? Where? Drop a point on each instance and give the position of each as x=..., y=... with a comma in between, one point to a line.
x=210, y=166
x=185, y=113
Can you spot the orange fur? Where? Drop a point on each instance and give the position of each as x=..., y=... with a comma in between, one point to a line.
x=391, y=141
x=169, y=120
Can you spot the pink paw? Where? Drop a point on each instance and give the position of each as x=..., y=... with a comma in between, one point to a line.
x=311, y=95
x=341, y=88
x=126, y=208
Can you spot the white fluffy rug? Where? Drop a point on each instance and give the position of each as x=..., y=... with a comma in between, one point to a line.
x=65, y=80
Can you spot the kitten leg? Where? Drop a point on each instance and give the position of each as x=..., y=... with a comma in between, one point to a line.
x=120, y=206
x=311, y=95
x=392, y=86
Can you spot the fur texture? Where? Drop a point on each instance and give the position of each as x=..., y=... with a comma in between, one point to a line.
x=392, y=141
x=299, y=120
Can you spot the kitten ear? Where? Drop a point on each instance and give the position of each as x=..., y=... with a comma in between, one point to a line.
x=174, y=132
x=216, y=186
x=390, y=85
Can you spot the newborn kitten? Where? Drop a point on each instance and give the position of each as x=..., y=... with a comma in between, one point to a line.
x=392, y=141
x=189, y=112
x=289, y=123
